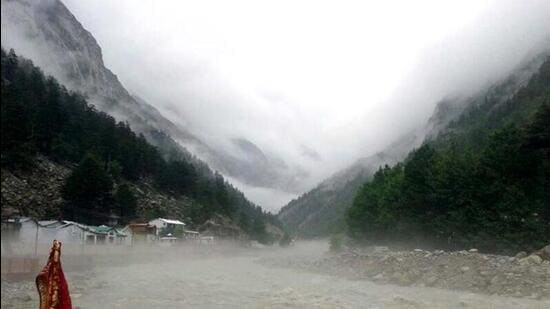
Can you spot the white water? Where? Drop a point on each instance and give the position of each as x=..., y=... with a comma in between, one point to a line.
x=242, y=281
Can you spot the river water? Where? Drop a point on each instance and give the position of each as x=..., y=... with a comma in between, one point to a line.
x=245, y=279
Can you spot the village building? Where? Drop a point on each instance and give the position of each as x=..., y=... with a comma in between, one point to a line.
x=104, y=235
x=23, y=235
x=140, y=233
x=25, y=231
x=168, y=240
x=191, y=235
x=168, y=226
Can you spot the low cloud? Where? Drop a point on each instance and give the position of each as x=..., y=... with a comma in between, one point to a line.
x=317, y=84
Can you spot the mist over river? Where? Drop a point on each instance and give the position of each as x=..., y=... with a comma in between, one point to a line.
x=231, y=277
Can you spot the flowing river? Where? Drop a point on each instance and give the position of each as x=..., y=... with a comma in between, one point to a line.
x=245, y=278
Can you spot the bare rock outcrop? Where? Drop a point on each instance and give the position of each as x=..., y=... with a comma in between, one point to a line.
x=35, y=192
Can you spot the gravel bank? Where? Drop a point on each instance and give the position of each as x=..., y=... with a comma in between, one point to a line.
x=522, y=276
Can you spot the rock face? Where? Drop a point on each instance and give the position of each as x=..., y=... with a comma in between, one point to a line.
x=35, y=192
x=151, y=203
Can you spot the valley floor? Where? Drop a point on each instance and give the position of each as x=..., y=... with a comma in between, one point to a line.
x=302, y=276
x=522, y=276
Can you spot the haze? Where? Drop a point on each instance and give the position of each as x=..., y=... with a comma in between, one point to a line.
x=318, y=84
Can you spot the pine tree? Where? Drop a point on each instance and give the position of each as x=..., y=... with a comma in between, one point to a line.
x=125, y=202
x=88, y=192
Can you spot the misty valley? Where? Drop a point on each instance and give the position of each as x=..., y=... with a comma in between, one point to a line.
x=375, y=155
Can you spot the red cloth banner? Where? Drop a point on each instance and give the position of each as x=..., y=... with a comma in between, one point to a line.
x=51, y=284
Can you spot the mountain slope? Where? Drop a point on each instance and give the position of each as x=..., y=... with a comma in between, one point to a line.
x=95, y=164
x=46, y=32
x=482, y=183
x=320, y=211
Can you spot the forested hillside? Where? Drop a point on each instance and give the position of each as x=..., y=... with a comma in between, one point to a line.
x=41, y=117
x=483, y=183
x=321, y=211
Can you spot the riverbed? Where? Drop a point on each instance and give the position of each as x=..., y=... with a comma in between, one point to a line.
x=244, y=278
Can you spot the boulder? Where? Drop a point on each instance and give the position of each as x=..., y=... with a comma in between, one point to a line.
x=430, y=281
x=544, y=253
x=381, y=249
x=533, y=259
x=380, y=276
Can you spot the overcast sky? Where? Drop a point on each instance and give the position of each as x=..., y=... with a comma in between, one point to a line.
x=341, y=79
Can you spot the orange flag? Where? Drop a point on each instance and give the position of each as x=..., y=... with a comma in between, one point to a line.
x=51, y=284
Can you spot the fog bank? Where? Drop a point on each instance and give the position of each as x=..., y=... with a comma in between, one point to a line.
x=317, y=84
